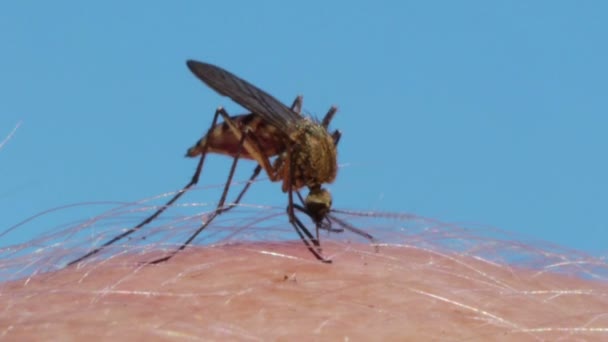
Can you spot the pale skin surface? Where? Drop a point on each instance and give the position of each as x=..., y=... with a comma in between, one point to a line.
x=278, y=291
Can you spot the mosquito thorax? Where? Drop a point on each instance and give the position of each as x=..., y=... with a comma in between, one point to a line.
x=318, y=203
x=315, y=155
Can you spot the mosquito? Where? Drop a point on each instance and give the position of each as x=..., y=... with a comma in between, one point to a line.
x=305, y=151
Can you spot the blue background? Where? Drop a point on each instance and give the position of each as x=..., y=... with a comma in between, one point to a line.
x=472, y=111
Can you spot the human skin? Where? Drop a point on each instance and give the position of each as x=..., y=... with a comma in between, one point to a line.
x=278, y=291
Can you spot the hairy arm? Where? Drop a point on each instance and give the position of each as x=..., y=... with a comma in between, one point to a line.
x=269, y=291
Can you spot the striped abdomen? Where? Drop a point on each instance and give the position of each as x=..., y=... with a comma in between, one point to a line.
x=221, y=140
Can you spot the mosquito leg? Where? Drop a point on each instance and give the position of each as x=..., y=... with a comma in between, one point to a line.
x=300, y=196
x=244, y=138
x=256, y=172
x=343, y=223
x=330, y=115
x=302, y=230
x=336, y=135
x=220, y=204
x=299, y=227
x=290, y=212
x=302, y=227
x=327, y=120
x=357, y=231
x=252, y=146
x=296, y=106
x=327, y=226
x=193, y=181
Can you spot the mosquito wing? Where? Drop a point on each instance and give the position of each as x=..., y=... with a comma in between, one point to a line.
x=246, y=94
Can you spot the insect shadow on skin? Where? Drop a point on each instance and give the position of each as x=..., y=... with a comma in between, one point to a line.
x=306, y=156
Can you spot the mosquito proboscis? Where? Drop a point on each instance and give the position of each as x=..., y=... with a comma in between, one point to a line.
x=305, y=151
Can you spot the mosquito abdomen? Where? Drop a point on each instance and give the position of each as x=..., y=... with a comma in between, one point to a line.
x=222, y=140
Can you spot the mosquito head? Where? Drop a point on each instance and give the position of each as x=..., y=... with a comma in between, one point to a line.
x=318, y=203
